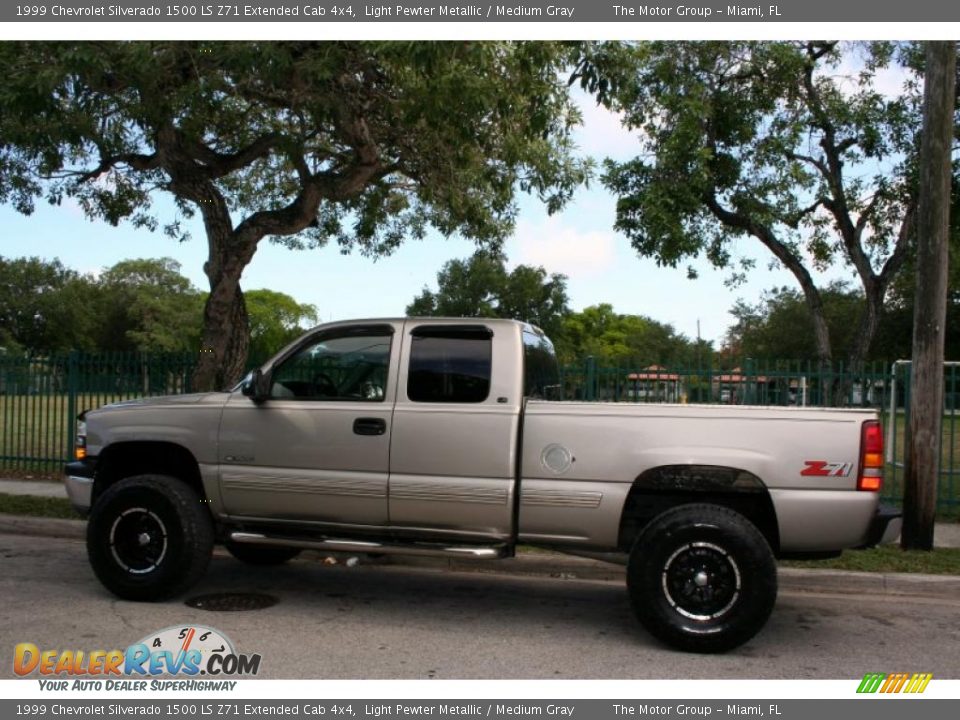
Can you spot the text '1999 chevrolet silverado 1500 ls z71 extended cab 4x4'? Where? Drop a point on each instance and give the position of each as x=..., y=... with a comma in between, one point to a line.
x=432, y=437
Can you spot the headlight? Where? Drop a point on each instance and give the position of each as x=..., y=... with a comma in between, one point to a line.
x=80, y=449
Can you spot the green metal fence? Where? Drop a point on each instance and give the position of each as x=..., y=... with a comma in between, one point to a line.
x=41, y=396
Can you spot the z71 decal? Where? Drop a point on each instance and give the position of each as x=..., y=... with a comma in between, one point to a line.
x=822, y=468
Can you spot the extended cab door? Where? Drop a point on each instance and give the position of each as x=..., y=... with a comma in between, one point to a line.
x=318, y=448
x=455, y=428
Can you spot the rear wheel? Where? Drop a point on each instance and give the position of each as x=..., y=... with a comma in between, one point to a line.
x=702, y=578
x=149, y=537
x=261, y=554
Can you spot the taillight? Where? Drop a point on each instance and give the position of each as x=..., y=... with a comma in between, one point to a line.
x=870, y=476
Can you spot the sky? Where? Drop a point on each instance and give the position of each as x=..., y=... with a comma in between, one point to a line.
x=579, y=242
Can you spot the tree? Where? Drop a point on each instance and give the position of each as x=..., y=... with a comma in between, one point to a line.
x=780, y=326
x=922, y=466
x=275, y=320
x=481, y=286
x=895, y=335
x=624, y=340
x=772, y=141
x=146, y=305
x=44, y=307
x=362, y=143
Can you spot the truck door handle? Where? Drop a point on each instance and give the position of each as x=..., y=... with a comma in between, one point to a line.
x=369, y=426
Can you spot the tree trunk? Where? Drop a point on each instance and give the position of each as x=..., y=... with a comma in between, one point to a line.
x=926, y=382
x=821, y=332
x=226, y=335
x=821, y=336
x=866, y=331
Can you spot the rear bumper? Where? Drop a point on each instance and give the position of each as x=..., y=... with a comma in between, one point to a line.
x=78, y=479
x=885, y=527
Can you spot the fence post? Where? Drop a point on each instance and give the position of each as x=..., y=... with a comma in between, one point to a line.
x=590, y=379
x=72, y=382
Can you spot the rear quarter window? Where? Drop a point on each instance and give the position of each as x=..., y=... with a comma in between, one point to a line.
x=450, y=365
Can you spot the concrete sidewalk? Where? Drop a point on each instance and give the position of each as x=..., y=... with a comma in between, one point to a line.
x=945, y=535
x=37, y=488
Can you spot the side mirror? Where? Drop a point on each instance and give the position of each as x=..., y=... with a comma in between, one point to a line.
x=256, y=386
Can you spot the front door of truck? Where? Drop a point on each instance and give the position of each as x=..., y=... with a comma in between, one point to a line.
x=318, y=448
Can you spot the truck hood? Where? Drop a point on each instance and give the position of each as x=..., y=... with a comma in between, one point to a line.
x=207, y=398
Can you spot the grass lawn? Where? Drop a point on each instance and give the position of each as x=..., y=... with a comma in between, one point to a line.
x=889, y=559
x=37, y=506
x=949, y=457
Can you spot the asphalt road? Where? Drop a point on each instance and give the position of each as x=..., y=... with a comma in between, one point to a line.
x=398, y=622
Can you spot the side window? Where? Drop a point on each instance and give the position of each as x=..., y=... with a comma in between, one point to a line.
x=541, y=374
x=449, y=365
x=350, y=367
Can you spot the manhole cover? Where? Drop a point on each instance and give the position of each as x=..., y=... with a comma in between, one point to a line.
x=230, y=602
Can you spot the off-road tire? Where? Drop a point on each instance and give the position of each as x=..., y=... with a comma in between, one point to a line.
x=149, y=537
x=261, y=554
x=702, y=578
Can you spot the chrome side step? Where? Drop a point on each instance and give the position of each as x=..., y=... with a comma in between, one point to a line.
x=363, y=546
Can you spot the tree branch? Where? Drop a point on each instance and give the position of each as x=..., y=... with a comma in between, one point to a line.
x=817, y=50
x=832, y=171
x=740, y=221
x=220, y=164
x=783, y=253
x=899, y=255
x=818, y=164
x=137, y=161
x=302, y=210
x=793, y=221
x=867, y=212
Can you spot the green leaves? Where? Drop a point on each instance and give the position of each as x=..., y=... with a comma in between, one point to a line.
x=43, y=306
x=135, y=305
x=275, y=320
x=623, y=340
x=747, y=122
x=807, y=147
x=455, y=128
x=366, y=144
x=481, y=286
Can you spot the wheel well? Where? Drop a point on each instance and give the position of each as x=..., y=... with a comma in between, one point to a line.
x=657, y=490
x=136, y=458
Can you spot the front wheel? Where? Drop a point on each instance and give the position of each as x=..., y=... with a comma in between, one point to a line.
x=702, y=578
x=149, y=538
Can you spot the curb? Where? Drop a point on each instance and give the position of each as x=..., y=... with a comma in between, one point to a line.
x=568, y=567
x=849, y=582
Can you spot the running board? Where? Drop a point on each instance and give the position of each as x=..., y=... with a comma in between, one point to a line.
x=363, y=546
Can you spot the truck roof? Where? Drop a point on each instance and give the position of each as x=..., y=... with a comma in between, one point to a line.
x=431, y=320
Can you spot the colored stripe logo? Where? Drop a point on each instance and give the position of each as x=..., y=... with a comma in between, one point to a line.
x=894, y=682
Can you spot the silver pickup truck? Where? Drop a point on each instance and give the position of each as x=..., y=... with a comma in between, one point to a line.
x=438, y=437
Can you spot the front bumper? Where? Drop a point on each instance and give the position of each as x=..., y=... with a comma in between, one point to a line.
x=78, y=478
x=885, y=527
